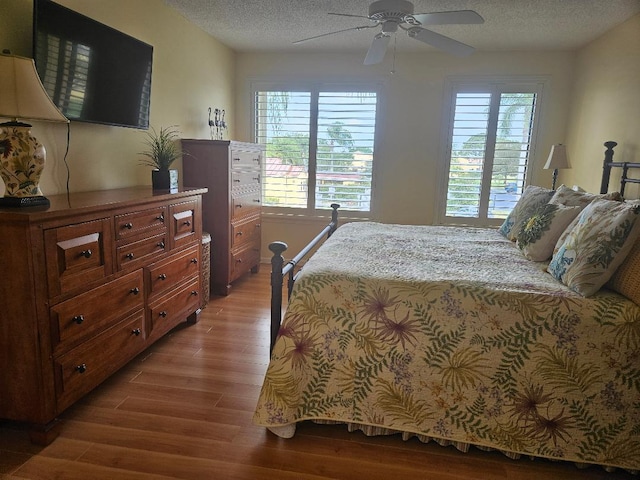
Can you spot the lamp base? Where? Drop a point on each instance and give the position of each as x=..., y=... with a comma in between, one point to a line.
x=14, y=202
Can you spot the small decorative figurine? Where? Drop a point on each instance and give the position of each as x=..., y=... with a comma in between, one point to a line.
x=218, y=125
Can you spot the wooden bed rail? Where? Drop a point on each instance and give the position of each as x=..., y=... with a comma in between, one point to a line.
x=280, y=269
x=608, y=164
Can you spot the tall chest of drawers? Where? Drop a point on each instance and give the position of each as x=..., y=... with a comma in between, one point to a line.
x=231, y=210
x=87, y=284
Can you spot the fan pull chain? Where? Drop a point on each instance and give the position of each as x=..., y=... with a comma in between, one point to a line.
x=393, y=65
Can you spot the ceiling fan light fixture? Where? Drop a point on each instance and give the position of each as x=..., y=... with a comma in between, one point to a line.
x=389, y=27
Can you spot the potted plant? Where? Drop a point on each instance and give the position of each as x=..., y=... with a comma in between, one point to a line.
x=163, y=151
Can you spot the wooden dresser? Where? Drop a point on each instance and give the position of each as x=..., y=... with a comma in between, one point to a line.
x=87, y=284
x=231, y=211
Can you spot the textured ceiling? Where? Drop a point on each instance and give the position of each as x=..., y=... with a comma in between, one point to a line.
x=272, y=25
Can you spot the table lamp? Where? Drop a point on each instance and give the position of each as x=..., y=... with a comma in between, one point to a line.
x=557, y=160
x=22, y=157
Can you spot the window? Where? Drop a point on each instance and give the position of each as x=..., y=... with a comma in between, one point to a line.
x=489, y=146
x=319, y=147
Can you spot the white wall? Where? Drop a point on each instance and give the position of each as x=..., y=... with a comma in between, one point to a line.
x=191, y=72
x=408, y=154
x=605, y=106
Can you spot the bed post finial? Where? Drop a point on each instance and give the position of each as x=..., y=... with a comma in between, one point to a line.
x=606, y=165
x=334, y=218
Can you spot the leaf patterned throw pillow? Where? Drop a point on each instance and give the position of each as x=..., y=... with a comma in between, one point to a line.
x=532, y=198
x=596, y=246
x=572, y=198
x=539, y=234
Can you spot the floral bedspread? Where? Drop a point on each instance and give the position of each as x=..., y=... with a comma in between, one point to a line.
x=451, y=334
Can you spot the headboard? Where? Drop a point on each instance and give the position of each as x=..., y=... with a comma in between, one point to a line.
x=609, y=164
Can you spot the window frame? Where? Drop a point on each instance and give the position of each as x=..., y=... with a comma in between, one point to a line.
x=314, y=88
x=493, y=85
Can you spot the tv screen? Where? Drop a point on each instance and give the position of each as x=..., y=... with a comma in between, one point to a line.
x=92, y=72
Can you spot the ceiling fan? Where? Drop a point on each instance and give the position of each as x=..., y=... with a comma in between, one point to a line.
x=394, y=14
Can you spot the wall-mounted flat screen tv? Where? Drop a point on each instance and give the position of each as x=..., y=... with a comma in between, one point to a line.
x=92, y=72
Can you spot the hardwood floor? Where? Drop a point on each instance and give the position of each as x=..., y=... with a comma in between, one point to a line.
x=183, y=410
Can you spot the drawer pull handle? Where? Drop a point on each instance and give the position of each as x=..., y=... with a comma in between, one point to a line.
x=135, y=290
x=136, y=331
x=258, y=225
x=160, y=218
x=163, y=314
x=257, y=160
x=81, y=368
x=129, y=256
x=194, y=260
x=162, y=276
x=239, y=260
x=236, y=180
x=256, y=200
x=160, y=244
x=78, y=319
x=238, y=205
x=236, y=159
x=239, y=234
x=128, y=225
x=194, y=293
x=187, y=223
x=257, y=179
x=86, y=253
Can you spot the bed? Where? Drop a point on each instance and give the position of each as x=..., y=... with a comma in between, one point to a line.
x=463, y=336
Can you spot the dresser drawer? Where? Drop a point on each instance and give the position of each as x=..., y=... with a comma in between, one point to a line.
x=140, y=222
x=245, y=231
x=245, y=180
x=77, y=255
x=84, y=367
x=132, y=255
x=169, y=311
x=243, y=260
x=184, y=225
x=245, y=204
x=167, y=274
x=246, y=158
x=89, y=313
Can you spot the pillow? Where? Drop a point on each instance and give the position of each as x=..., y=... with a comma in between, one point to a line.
x=567, y=196
x=572, y=198
x=591, y=252
x=532, y=198
x=539, y=234
x=626, y=279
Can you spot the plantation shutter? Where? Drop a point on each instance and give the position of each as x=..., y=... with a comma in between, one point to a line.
x=490, y=145
x=319, y=148
x=283, y=126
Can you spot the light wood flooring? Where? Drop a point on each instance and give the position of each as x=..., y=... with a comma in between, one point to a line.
x=183, y=410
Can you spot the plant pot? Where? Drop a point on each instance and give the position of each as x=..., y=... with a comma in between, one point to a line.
x=164, y=179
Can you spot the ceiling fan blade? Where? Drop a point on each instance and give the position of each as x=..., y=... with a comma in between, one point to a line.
x=377, y=49
x=460, y=17
x=333, y=33
x=436, y=40
x=348, y=15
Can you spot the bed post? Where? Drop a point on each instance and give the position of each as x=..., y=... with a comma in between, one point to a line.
x=277, y=261
x=606, y=166
x=334, y=219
